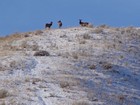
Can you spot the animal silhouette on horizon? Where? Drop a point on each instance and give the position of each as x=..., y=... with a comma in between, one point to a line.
x=59, y=23
x=48, y=25
x=83, y=24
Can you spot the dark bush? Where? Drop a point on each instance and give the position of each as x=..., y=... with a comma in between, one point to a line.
x=26, y=35
x=107, y=66
x=92, y=66
x=41, y=53
x=86, y=36
x=3, y=93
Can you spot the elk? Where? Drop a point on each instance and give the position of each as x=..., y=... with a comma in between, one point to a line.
x=48, y=25
x=83, y=23
x=59, y=23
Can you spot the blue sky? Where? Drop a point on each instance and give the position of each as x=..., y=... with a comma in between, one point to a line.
x=30, y=15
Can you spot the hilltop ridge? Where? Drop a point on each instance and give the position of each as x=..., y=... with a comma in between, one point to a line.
x=81, y=66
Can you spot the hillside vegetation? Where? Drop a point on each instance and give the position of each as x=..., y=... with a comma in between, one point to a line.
x=73, y=66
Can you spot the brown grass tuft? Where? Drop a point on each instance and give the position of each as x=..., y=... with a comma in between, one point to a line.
x=86, y=36
x=92, y=66
x=81, y=103
x=107, y=66
x=98, y=30
x=3, y=93
x=38, y=32
x=64, y=84
x=103, y=26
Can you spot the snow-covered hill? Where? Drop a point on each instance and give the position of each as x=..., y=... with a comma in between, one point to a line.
x=82, y=66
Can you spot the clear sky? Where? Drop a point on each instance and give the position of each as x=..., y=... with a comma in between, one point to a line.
x=30, y=15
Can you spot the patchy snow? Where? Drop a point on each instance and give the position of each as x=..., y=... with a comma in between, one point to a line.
x=86, y=66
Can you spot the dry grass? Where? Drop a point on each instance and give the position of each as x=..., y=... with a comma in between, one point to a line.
x=12, y=37
x=53, y=95
x=3, y=93
x=68, y=81
x=82, y=42
x=35, y=80
x=38, y=32
x=8, y=42
x=27, y=79
x=103, y=26
x=121, y=97
x=14, y=64
x=86, y=36
x=26, y=46
x=81, y=103
x=117, y=29
x=98, y=30
x=16, y=36
x=10, y=53
x=2, y=102
x=64, y=54
x=91, y=96
x=106, y=65
x=18, y=64
x=75, y=55
x=93, y=66
x=14, y=101
x=64, y=84
x=4, y=67
x=129, y=29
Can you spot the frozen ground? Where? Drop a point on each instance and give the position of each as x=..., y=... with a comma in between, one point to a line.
x=86, y=66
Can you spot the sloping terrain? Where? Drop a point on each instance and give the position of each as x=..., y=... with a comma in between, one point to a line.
x=82, y=66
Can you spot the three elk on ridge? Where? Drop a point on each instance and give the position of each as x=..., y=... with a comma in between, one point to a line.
x=83, y=24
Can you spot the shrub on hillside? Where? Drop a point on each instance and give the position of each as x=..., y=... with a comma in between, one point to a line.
x=4, y=67
x=3, y=93
x=41, y=53
x=26, y=35
x=93, y=66
x=86, y=36
x=64, y=84
x=75, y=55
x=107, y=66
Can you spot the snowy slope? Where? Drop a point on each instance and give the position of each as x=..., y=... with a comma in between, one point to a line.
x=85, y=66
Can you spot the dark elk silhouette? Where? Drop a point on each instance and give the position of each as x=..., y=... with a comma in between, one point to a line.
x=59, y=23
x=48, y=25
x=83, y=24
